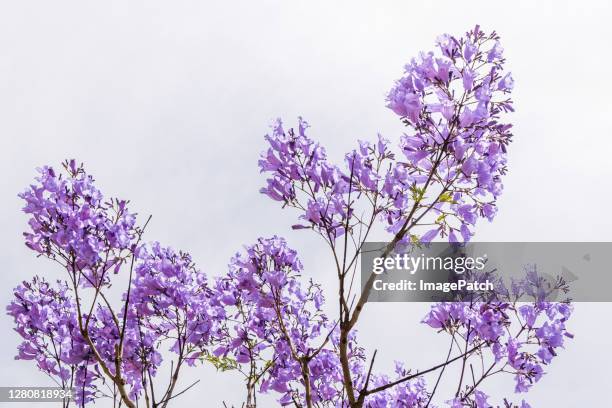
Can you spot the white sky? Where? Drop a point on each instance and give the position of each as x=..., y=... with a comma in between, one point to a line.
x=167, y=103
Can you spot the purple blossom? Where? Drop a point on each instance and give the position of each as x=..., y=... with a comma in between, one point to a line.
x=454, y=103
x=524, y=337
x=44, y=317
x=74, y=332
x=263, y=318
x=269, y=316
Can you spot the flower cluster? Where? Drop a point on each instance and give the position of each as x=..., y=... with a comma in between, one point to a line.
x=406, y=395
x=104, y=330
x=170, y=295
x=97, y=242
x=271, y=323
x=71, y=221
x=522, y=338
x=455, y=151
x=276, y=333
x=298, y=167
x=452, y=101
x=45, y=318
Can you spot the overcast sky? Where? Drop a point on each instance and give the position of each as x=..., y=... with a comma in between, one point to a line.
x=167, y=103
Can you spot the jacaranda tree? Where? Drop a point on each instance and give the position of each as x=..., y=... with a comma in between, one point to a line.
x=262, y=318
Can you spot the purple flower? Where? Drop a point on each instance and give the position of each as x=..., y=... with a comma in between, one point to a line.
x=96, y=239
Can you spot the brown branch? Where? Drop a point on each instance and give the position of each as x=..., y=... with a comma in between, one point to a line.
x=418, y=374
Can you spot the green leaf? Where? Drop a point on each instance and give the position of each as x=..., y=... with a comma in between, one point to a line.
x=221, y=363
x=446, y=198
x=418, y=193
